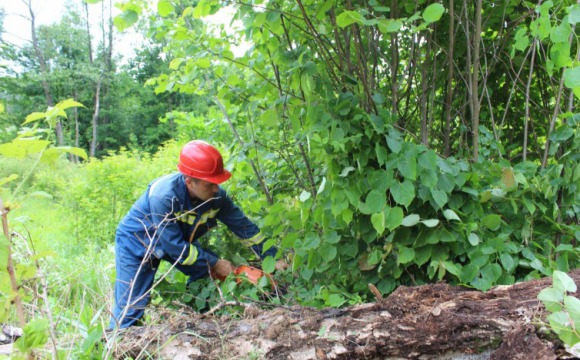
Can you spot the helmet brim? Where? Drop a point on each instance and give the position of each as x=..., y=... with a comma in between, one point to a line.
x=224, y=176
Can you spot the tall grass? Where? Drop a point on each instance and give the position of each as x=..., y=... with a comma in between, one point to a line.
x=65, y=219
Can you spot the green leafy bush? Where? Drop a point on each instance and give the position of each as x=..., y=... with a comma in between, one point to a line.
x=564, y=318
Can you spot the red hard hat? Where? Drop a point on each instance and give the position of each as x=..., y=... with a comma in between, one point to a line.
x=200, y=160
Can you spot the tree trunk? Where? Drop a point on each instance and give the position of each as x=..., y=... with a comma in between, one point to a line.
x=449, y=89
x=425, y=70
x=435, y=321
x=394, y=63
x=44, y=71
x=89, y=37
x=95, y=121
x=475, y=81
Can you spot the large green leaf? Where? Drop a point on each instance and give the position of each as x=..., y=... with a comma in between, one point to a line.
x=563, y=282
x=348, y=18
x=451, y=215
x=407, y=166
x=66, y=104
x=394, y=217
x=403, y=193
x=387, y=26
x=378, y=221
x=574, y=16
x=492, y=221
x=33, y=117
x=376, y=201
x=20, y=148
x=572, y=77
x=440, y=197
x=562, y=133
x=433, y=12
x=411, y=220
x=406, y=255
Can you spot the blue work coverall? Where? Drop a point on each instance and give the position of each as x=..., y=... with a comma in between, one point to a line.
x=164, y=224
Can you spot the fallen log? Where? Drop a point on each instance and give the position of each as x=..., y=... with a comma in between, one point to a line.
x=434, y=321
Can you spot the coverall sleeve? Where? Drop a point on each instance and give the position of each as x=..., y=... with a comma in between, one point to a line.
x=170, y=234
x=238, y=223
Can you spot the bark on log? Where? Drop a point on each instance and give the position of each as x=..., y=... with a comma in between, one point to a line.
x=435, y=321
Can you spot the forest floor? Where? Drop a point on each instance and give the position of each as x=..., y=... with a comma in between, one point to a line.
x=434, y=321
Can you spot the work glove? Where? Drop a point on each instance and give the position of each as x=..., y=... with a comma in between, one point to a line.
x=223, y=268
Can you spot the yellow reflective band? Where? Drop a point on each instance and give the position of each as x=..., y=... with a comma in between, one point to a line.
x=192, y=255
x=255, y=240
x=212, y=213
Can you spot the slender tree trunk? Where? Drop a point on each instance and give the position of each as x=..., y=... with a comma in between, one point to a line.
x=425, y=70
x=95, y=122
x=527, y=105
x=89, y=37
x=394, y=63
x=475, y=80
x=43, y=69
x=449, y=92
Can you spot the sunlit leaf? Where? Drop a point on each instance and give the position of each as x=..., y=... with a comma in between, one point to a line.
x=20, y=148
x=378, y=221
x=433, y=12
x=346, y=171
x=34, y=116
x=72, y=150
x=411, y=220
x=574, y=16
x=65, y=104
x=450, y=215
x=394, y=217
x=572, y=77
x=430, y=223
x=164, y=8
x=305, y=195
x=348, y=18
x=563, y=282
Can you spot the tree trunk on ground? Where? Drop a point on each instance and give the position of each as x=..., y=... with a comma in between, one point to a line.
x=425, y=322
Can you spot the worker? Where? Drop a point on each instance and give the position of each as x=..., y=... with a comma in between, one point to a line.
x=165, y=223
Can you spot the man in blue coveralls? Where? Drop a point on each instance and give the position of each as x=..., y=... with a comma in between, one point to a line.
x=165, y=223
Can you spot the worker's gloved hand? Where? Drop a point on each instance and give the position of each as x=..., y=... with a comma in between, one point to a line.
x=223, y=268
x=281, y=265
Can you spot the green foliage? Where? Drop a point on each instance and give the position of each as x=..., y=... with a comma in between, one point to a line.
x=334, y=123
x=20, y=267
x=564, y=309
x=354, y=199
x=35, y=335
